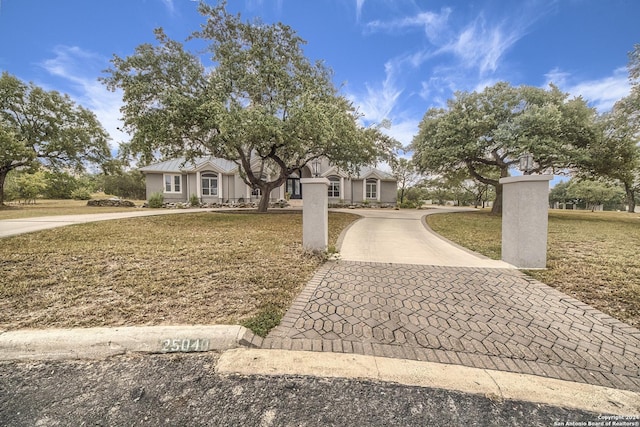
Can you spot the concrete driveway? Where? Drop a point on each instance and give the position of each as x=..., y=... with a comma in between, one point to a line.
x=402, y=237
x=13, y=227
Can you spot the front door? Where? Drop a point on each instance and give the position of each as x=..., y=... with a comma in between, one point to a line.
x=294, y=188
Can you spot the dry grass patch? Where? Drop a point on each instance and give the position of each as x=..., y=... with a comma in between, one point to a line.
x=591, y=256
x=58, y=207
x=204, y=268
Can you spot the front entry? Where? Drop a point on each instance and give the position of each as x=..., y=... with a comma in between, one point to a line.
x=294, y=188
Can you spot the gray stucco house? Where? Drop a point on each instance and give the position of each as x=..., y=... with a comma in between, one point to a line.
x=216, y=180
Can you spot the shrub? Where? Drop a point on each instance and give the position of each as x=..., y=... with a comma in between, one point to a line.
x=81, y=193
x=156, y=200
x=410, y=204
x=194, y=200
x=60, y=185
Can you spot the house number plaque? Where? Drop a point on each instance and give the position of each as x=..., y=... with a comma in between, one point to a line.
x=184, y=345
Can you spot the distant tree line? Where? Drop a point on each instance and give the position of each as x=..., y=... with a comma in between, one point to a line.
x=27, y=186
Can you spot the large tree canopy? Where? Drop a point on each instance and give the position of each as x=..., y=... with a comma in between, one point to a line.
x=615, y=154
x=486, y=133
x=262, y=104
x=41, y=127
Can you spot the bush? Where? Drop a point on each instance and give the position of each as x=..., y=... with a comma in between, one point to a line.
x=128, y=185
x=410, y=204
x=60, y=185
x=81, y=193
x=194, y=200
x=156, y=200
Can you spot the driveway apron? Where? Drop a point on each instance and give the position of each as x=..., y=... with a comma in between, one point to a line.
x=400, y=291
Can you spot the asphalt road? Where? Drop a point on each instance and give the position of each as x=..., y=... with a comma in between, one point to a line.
x=185, y=390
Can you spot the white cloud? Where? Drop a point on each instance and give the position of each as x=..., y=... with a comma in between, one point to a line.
x=80, y=69
x=599, y=93
x=359, y=5
x=434, y=24
x=482, y=46
x=169, y=5
x=403, y=129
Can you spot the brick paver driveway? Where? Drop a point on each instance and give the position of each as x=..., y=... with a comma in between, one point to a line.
x=481, y=317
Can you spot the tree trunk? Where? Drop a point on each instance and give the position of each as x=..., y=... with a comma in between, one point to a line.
x=631, y=198
x=3, y=176
x=263, y=205
x=266, y=188
x=496, y=209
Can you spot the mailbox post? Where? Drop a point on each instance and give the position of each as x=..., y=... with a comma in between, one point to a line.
x=315, y=214
x=525, y=216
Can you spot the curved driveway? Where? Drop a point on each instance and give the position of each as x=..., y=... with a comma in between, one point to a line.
x=401, y=237
x=13, y=227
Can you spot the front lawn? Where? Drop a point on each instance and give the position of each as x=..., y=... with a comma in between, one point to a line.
x=204, y=268
x=592, y=256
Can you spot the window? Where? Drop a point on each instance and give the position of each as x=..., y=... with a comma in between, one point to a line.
x=372, y=189
x=255, y=192
x=172, y=183
x=334, y=186
x=209, y=184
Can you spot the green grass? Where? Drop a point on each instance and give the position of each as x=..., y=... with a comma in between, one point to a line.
x=592, y=256
x=201, y=268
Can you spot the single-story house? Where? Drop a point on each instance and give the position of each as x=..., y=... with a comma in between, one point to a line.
x=216, y=180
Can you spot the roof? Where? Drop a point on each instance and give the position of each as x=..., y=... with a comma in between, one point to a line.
x=180, y=165
x=363, y=173
x=199, y=163
x=369, y=172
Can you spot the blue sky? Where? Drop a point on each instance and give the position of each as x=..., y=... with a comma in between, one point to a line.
x=393, y=58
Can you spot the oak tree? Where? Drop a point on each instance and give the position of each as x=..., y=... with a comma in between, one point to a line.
x=261, y=103
x=486, y=132
x=39, y=127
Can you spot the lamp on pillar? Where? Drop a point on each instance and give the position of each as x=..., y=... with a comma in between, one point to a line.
x=526, y=163
x=316, y=168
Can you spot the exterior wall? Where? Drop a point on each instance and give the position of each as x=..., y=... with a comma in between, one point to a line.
x=155, y=184
x=192, y=186
x=357, y=190
x=231, y=188
x=388, y=192
x=228, y=189
x=345, y=192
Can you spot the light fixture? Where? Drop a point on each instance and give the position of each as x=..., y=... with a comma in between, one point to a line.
x=526, y=163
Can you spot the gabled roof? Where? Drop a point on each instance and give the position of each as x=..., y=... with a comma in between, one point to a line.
x=369, y=172
x=364, y=173
x=179, y=165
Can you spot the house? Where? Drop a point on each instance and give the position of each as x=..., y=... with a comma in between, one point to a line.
x=215, y=180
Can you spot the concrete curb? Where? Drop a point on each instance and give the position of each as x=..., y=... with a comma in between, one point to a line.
x=91, y=343
x=493, y=384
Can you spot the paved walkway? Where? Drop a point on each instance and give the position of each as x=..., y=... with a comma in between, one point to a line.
x=483, y=317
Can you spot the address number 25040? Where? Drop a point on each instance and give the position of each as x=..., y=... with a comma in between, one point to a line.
x=174, y=345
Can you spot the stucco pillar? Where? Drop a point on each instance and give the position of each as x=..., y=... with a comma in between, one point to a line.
x=315, y=214
x=220, y=187
x=343, y=191
x=525, y=216
x=378, y=190
x=198, y=186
